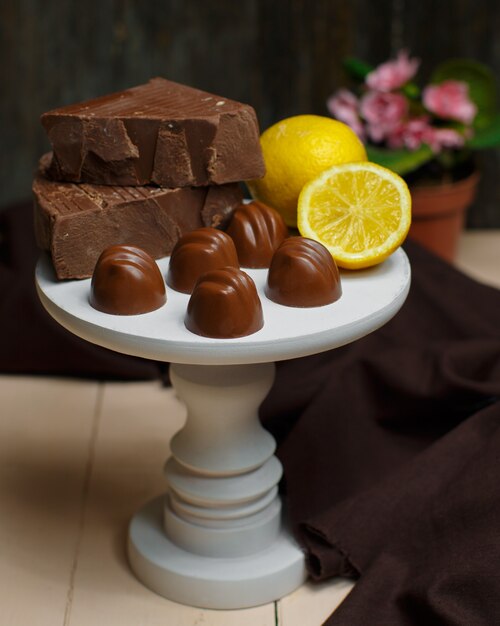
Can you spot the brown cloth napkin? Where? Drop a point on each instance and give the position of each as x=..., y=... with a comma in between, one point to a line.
x=31, y=342
x=391, y=450
x=391, y=445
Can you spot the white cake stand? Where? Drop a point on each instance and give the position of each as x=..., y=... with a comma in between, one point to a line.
x=216, y=539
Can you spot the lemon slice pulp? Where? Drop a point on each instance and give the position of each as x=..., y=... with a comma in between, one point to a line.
x=360, y=211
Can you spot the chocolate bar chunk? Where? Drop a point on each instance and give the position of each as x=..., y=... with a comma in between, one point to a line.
x=75, y=223
x=161, y=132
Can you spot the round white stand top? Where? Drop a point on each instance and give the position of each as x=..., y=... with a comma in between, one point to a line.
x=370, y=298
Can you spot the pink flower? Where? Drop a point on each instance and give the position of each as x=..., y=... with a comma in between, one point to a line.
x=450, y=100
x=445, y=138
x=411, y=134
x=343, y=105
x=418, y=131
x=393, y=74
x=384, y=112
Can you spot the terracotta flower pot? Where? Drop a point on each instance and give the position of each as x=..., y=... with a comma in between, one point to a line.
x=438, y=214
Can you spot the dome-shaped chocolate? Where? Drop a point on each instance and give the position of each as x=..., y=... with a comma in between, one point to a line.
x=257, y=230
x=198, y=252
x=224, y=304
x=126, y=281
x=303, y=274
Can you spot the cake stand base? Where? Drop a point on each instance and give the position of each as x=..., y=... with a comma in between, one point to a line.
x=207, y=582
x=216, y=538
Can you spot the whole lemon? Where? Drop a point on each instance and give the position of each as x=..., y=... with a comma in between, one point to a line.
x=296, y=150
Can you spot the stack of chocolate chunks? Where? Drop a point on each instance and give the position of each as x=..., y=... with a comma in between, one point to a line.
x=140, y=167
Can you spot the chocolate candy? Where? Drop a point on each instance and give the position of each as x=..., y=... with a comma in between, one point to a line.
x=76, y=222
x=197, y=252
x=257, y=230
x=126, y=281
x=224, y=305
x=303, y=274
x=161, y=132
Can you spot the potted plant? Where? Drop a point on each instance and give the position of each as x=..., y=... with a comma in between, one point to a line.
x=426, y=134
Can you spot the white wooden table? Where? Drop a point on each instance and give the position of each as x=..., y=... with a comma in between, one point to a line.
x=77, y=459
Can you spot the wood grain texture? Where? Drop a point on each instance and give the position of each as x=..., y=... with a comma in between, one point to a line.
x=313, y=603
x=46, y=433
x=478, y=256
x=283, y=57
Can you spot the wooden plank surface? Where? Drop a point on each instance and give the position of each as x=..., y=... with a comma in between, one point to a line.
x=313, y=603
x=46, y=434
x=479, y=255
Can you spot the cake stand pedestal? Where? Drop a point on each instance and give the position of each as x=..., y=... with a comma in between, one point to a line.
x=217, y=539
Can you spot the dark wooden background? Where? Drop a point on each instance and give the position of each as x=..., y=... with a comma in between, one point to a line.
x=281, y=56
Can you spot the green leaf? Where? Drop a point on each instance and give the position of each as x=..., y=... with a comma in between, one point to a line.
x=356, y=68
x=401, y=161
x=481, y=82
x=411, y=90
x=487, y=137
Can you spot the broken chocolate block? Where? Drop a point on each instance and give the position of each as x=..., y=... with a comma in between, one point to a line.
x=162, y=132
x=75, y=223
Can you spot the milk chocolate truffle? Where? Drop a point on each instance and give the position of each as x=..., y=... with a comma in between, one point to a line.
x=126, y=281
x=257, y=230
x=198, y=252
x=303, y=274
x=224, y=305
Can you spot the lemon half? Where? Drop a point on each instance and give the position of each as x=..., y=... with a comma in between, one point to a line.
x=360, y=211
